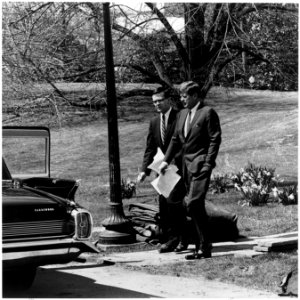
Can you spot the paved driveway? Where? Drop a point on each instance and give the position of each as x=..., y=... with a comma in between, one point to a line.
x=102, y=276
x=104, y=280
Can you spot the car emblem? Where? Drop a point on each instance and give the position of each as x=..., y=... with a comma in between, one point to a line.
x=44, y=209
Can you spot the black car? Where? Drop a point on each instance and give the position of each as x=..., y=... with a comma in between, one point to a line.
x=41, y=222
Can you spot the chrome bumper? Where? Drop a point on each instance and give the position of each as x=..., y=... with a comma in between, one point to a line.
x=44, y=252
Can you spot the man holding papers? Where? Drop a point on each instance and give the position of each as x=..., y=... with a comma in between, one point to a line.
x=160, y=132
x=198, y=137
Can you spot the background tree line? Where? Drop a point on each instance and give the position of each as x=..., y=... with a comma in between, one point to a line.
x=219, y=44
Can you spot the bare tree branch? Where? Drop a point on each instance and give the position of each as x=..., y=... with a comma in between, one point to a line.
x=180, y=49
x=262, y=6
x=154, y=56
x=150, y=75
x=31, y=12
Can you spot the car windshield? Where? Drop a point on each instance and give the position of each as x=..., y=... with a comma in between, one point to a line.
x=25, y=155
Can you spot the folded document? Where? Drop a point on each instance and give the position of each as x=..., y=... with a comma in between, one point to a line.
x=164, y=184
x=157, y=160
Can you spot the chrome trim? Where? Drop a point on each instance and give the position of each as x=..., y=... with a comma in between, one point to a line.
x=47, y=249
x=36, y=253
x=34, y=228
x=42, y=243
x=25, y=239
x=76, y=212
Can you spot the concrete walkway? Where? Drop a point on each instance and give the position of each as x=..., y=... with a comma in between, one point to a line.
x=239, y=248
x=96, y=280
x=174, y=287
x=181, y=287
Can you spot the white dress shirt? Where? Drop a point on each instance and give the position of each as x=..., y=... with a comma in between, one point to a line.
x=192, y=114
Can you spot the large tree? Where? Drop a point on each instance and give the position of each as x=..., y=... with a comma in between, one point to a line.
x=216, y=35
x=64, y=41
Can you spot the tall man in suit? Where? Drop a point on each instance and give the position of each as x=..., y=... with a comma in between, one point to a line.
x=198, y=136
x=161, y=129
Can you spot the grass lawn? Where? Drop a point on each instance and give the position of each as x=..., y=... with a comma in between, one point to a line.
x=260, y=127
x=254, y=129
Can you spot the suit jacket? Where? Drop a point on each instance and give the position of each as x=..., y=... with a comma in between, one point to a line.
x=201, y=145
x=154, y=140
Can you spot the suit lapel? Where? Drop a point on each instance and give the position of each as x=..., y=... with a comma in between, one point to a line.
x=182, y=122
x=194, y=121
x=171, y=118
x=170, y=127
x=156, y=132
x=197, y=113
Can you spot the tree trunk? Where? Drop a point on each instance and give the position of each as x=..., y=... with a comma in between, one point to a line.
x=244, y=59
x=198, y=51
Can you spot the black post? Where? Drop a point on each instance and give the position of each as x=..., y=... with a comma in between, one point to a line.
x=117, y=228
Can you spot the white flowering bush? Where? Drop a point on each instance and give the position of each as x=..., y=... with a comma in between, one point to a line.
x=287, y=195
x=255, y=184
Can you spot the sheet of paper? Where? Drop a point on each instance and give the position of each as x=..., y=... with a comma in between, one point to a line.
x=157, y=160
x=164, y=184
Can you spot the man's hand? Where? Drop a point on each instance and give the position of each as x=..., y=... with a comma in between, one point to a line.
x=162, y=168
x=141, y=177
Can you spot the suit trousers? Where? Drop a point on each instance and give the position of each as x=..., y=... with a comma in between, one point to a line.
x=172, y=213
x=197, y=187
x=163, y=218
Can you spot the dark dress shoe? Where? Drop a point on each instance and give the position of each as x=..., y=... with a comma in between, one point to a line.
x=181, y=247
x=197, y=255
x=168, y=246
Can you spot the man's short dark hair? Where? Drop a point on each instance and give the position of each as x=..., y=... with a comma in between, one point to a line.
x=190, y=88
x=162, y=89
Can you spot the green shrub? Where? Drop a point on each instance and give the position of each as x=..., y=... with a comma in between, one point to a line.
x=220, y=183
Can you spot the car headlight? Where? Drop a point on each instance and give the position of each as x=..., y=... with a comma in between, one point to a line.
x=83, y=224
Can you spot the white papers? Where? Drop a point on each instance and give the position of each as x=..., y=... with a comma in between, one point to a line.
x=157, y=160
x=164, y=184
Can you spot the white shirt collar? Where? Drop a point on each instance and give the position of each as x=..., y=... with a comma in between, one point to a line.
x=193, y=110
x=167, y=114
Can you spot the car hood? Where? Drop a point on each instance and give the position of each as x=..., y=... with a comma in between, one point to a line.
x=24, y=204
x=23, y=196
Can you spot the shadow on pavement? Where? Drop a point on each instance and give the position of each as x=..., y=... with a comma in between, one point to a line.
x=51, y=283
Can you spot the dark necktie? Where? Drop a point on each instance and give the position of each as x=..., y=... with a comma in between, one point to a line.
x=163, y=128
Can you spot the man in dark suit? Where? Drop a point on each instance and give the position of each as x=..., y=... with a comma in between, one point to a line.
x=161, y=129
x=198, y=136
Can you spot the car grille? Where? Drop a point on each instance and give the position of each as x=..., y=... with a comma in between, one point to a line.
x=48, y=228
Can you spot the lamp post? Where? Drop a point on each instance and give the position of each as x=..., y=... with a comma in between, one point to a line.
x=118, y=229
